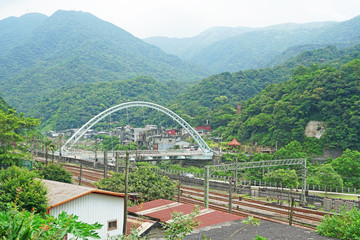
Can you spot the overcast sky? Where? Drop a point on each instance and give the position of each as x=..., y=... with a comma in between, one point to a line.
x=185, y=18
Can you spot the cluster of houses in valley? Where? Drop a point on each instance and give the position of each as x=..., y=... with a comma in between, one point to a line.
x=151, y=136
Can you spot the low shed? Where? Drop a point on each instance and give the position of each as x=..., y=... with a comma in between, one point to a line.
x=90, y=204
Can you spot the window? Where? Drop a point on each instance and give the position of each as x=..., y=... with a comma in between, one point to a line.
x=112, y=225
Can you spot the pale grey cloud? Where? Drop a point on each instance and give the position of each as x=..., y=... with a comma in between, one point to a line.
x=180, y=18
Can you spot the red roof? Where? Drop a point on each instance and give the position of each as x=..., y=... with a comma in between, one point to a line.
x=234, y=142
x=162, y=209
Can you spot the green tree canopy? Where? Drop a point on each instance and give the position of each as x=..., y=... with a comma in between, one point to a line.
x=12, y=125
x=285, y=176
x=148, y=184
x=56, y=172
x=325, y=175
x=20, y=186
x=348, y=166
x=345, y=225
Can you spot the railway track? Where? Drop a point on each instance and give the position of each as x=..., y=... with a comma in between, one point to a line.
x=88, y=176
x=303, y=210
x=304, y=218
x=262, y=210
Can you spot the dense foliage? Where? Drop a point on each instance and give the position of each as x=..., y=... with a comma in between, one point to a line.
x=345, y=225
x=73, y=106
x=56, y=172
x=324, y=175
x=75, y=47
x=147, y=183
x=20, y=186
x=348, y=166
x=281, y=112
x=285, y=177
x=27, y=225
x=12, y=126
x=215, y=98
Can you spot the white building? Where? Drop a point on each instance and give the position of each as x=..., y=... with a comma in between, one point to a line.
x=90, y=204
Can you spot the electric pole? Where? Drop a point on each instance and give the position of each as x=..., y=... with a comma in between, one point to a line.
x=126, y=191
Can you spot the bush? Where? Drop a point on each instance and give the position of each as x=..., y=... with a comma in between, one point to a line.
x=20, y=186
x=16, y=224
x=345, y=225
x=56, y=172
x=148, y=184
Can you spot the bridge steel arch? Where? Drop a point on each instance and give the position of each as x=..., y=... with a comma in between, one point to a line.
x=79, y=133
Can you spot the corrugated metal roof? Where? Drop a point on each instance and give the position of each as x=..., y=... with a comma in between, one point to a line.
x=162, y=209
x=140, y=224
x=60, y=193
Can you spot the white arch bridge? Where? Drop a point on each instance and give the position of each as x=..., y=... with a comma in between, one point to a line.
x=207, y=152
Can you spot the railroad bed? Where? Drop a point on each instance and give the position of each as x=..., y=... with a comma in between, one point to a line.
x=262, y=210
x=305, y=218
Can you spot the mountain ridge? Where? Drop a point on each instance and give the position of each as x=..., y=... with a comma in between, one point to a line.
x=76, y=47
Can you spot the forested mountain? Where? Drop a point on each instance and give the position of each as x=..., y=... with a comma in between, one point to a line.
x=256, y=48
x=215, y=98
x=186, y=48
x=76, y=47
x=282, y=111
x=13, y=30
x=74, y=105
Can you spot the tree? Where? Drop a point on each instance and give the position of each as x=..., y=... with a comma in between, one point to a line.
x=291, y=150
x=325, y=175
x=348, y=166
x=285, y=176
x=11, y=127
x=26, y=225
x=148, y=184
x=49, y=146
x=345, y=225
x=20, y=186
x=56, y=172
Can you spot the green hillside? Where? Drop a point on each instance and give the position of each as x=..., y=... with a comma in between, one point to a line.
x=282, y=111
x=74, y=105
x=75, y=47
x=215, y=98
x=15, y=30
x=257, y=49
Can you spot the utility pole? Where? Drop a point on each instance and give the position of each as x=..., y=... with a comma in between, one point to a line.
x=230, y=195
x=291, y=211
x=96, y=148
x=117, y=161
x=236, y=174
x=105, y=164
x=60, y=145
x=126, y=191
x=80, y=174
x=179, y=191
